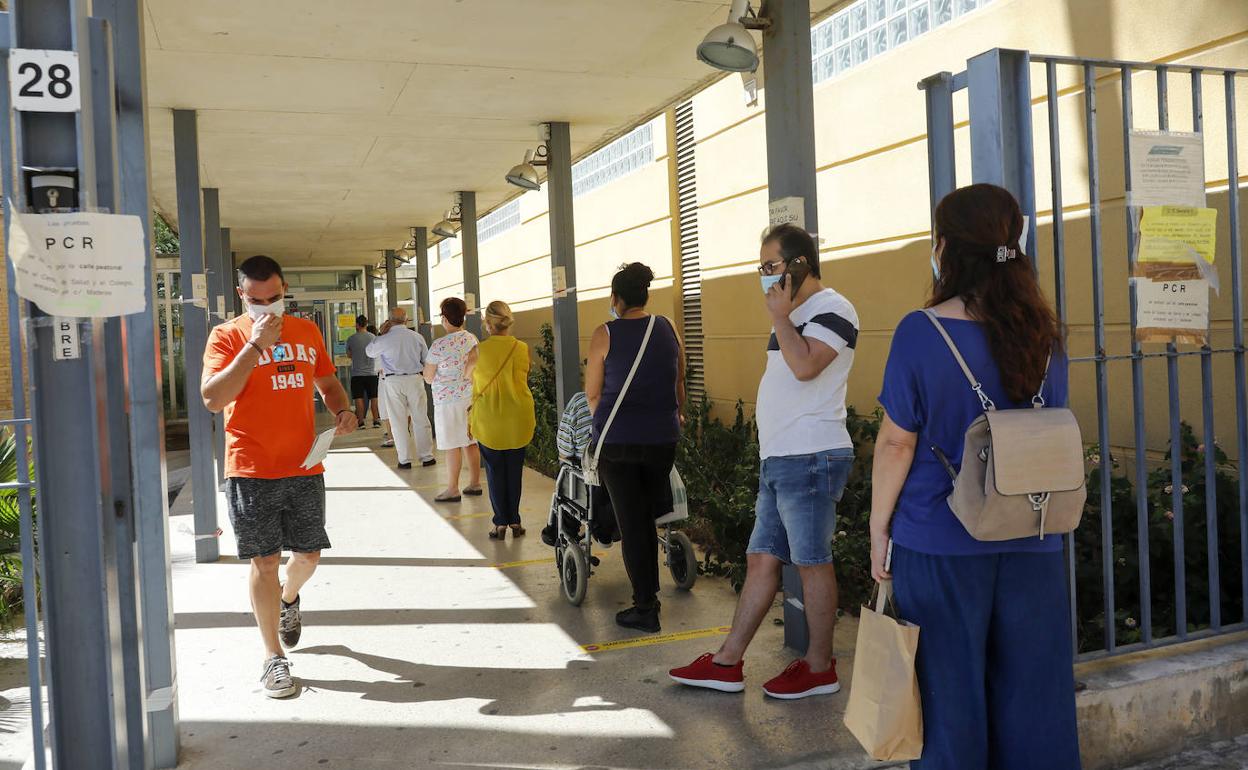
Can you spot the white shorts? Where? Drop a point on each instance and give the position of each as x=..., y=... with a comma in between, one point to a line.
x=450, y=423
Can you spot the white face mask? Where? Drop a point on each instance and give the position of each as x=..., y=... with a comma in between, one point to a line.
x=935, y=264
x=273, y=308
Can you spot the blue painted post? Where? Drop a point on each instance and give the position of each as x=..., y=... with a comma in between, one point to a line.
x=472, y=268
x=563, y=259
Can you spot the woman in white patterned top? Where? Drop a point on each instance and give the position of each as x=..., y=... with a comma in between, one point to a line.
x=449, y=370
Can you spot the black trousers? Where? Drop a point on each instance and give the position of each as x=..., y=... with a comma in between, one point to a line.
x=637, y=478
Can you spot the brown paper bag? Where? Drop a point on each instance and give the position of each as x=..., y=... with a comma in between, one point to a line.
x=884, y=712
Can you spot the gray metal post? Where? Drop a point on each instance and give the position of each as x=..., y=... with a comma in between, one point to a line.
x=73, y=476
x=147, y=423
x=420, y=239
x=195, y=332
x=941, y=169
x=119, y=535
x=999, y=83
x=472, y=269
x=227, y=276
x=216, y=309
x=370, y=294
x=392, y=285
x=237, y=300
x=563, y=260
x=791, y=173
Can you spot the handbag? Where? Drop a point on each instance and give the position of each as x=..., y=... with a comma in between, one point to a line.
x=590, y=466
x=1022, y=469
x=885, y=712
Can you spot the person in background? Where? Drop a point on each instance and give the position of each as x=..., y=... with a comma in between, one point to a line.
x=363, y=372
x=639, y=446
x=501, y=416
x=402, y=353
x=448, y=369
x=386, y=440
x=995, y=660
x=264, y=371
x=806, y=454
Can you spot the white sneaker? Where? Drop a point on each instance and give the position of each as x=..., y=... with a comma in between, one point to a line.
x=276, y=678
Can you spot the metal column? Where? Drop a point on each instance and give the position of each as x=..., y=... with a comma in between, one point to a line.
x=563, y=260
x=999, y=82
x=146, y=411
x=195, y=332
x=941, y=168
x=472, y=270
x=228, y=281
x=237, y=300
x=216, y=308
x=73, y=464
x=420, y=238
x=370, y=294
x=791, y=173
x=392, y=286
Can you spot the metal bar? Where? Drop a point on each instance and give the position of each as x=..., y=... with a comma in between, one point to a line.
x=941, y=165
x=1207, y=432
x=195, y=332
x=119, y=540
x=420, y=240
x=1237, y=312
x=1141, y=356
x=1102, y=385
x=1176, y=448
x=370, y=294
x=1002, y=150
x=1059, y=292
x=1135, y=65
x=1165, y=641
x=68, y=400
x=234, y=295
x=228, y=294
x=20, y=425
x=790, y=119
x=472, y=268
x=563, y=260
x=216, y=310
x=392, y=285
x=1137, y=383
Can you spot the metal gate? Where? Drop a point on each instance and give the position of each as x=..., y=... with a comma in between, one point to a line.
x=1159, y=512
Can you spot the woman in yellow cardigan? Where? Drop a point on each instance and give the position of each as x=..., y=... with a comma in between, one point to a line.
x=502, y=417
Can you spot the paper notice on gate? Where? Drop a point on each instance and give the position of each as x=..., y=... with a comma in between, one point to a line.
x=79, y=264
x=1167, y=169
x=1177, y=234
x=320, y=449
x=1172, y=311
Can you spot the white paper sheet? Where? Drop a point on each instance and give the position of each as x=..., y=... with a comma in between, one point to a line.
x=320, y=448
x=1167, y=169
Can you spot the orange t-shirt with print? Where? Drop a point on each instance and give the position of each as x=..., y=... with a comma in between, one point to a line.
x=270, y=427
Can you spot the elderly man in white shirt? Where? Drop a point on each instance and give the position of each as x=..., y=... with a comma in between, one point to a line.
x=402, y=353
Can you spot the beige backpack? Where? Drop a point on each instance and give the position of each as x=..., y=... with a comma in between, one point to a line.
x=1022, y=470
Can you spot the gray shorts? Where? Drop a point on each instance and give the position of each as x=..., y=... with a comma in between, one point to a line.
x=275, y=515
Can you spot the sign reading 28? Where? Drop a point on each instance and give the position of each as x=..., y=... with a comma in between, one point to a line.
x=287, y=381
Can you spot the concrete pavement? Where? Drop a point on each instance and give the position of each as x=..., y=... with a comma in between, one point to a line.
x=428, y=645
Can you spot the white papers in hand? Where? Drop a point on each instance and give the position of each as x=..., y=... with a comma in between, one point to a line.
x=320, y=448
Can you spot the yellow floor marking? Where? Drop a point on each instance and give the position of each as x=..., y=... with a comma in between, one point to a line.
x=461, y=516
x=531, y=562
x=648, y=641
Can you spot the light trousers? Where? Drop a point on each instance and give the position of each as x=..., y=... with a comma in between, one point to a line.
x=404, y=396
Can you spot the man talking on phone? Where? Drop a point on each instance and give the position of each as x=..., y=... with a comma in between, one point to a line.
x=263, y=369
x=806, y=456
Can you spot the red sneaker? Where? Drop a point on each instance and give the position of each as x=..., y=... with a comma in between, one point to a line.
x=797, y=681
x=704, y=672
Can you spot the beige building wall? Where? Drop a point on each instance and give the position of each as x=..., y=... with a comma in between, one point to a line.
x=873, y=198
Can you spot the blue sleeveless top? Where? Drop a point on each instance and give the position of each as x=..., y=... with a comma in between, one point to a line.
x=649, y=413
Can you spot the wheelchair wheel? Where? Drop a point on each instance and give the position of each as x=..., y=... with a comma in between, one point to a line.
x=574, y=575
x=682, y=561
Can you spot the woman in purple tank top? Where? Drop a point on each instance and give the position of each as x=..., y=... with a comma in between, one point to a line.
x=639, y=445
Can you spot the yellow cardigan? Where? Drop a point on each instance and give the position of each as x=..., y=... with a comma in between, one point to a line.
x=502, y=415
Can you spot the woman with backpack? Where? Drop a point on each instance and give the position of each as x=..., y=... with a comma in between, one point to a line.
x=995, y=658
x=635, y=383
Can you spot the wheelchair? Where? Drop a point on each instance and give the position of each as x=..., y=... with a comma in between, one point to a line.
x=583, y=515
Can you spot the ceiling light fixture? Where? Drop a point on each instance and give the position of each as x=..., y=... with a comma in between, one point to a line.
x=446, y=228
x=525, y=175
x=730, y=46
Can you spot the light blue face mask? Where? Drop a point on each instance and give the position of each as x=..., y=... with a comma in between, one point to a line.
x=614, y=313
x=770, y=280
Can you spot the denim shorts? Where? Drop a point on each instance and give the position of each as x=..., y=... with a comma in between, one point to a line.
x=795, y=516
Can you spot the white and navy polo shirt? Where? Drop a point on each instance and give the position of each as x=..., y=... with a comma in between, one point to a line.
x=800, y=418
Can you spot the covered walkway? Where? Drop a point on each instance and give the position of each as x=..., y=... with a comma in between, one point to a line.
x=426, y=644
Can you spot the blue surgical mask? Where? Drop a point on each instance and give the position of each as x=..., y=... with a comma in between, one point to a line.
x=614, y=313
x=770, y=280
x=935, y=264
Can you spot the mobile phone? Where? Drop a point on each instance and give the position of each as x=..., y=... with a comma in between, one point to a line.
x=794, y=274
x=888, y=557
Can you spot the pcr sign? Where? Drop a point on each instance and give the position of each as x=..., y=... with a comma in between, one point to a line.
x=44, y=81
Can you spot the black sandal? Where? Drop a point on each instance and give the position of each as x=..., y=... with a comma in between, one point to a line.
x=517, y=530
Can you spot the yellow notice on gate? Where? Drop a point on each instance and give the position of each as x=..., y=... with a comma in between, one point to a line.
x=1177, y=234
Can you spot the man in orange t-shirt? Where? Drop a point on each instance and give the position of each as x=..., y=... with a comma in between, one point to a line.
x=264, y=370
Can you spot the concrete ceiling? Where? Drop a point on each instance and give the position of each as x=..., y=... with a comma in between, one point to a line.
x=330, y=127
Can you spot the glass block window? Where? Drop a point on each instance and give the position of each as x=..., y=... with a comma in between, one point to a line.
x=620, y=158
x=498, y=221
x=445, y=249
x=867, y=28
